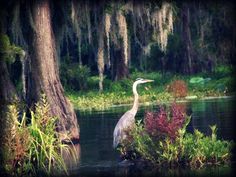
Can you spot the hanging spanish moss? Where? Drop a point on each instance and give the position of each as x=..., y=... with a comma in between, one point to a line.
x=76, y=26
x=23, y=59
x=170, y=27
x=107, y=32
x=87, y=13
x=100, y=60
x=80, y=24
x=162, y=23
x=16, y=30
x=79, y=51
x=73, y=11
x=123, y=32
x=129, y=52
x=147, y=22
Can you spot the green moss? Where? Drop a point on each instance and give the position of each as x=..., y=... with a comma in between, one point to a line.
x=9, y=51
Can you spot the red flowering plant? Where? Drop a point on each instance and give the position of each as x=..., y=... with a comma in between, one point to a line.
x=163, y=139
x=162, y=124
x=178, y=88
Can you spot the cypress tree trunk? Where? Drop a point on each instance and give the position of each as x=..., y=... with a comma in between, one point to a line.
x=44, y=75
x=187, y=39
x=121, y=50
x=122, y=70
x=7, y=89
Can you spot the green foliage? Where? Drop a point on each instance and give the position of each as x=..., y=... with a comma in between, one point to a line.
x=142, y=142
x=45, y=148
x=201, y=149
x=74, y=76
x=196, y=80
x=9, y=51
x=122, y=85
x=108, y=8
x=194, y=149
x=223, y=70
x=120, y=92
x=35, y=147
x=98, y=101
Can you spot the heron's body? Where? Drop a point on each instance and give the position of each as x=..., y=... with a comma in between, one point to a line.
x=127, y=121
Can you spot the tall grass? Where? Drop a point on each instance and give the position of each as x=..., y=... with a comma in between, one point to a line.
x=15, y=141
x=33, y=147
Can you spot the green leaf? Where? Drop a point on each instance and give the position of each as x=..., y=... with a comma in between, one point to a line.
x=196, y=80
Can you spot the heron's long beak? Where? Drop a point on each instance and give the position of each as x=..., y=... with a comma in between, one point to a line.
x=147, y=80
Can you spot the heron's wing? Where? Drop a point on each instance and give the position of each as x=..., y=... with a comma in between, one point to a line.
x=126, y=121
x=116, y=137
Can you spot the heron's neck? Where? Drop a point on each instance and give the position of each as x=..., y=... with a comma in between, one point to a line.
x=135, y=105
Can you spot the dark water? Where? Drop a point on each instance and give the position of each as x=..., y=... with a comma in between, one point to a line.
x=97, y=157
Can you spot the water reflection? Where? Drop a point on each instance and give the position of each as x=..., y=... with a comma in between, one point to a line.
x=72, y=156
x=97, y=157
x=131, y=171
x=208, y=112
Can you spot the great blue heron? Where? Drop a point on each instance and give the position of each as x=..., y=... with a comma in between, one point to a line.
x=128, y=119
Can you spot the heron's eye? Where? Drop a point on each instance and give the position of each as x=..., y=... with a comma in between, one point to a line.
x=139, y=79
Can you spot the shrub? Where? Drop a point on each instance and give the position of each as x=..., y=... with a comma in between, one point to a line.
x=178, y=88
x=161, y=124
x=199, y=149
x=155, y=142
x=76, y=77
x=223, y=71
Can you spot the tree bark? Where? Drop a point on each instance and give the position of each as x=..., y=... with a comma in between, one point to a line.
x=122, y=70
x=44, y=73
x=7, y=89
x=187, y=39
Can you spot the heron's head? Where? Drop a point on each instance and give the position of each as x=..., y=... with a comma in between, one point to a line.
x=142, y=81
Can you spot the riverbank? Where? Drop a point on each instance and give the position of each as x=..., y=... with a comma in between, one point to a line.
x=86, y=103
x=201, y=86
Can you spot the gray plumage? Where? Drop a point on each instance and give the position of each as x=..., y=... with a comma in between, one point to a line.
x=127, y=121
